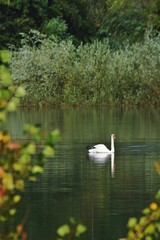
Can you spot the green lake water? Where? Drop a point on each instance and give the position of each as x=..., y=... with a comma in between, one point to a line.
x=103, y=193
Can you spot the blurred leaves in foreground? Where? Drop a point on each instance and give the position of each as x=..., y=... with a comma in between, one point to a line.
x=73, y=228
x=19, y=161
x=147, y=226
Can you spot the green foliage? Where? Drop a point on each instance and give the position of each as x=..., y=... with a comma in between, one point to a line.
x=22, y=161
x=19, y=161
x=9, y=94
x=63, y=230
x=118, y=20
x=12, y=23
x=44, y=71
x=132, y=222
x=57, y=73
x=125, y=21
x=130, y=19
x=56, y=28
x=147, y=226
x=71, y=230
x=33, y=38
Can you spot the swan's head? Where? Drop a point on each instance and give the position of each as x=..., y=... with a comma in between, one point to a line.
x=113, y=136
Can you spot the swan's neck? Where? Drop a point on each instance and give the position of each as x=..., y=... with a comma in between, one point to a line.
x=112, y=144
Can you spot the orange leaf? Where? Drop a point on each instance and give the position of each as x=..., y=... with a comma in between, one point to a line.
x=19, y=228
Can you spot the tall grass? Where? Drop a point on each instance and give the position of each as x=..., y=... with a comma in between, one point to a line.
x=60, y=73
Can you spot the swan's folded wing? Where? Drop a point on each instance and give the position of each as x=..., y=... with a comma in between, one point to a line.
x=101, y=148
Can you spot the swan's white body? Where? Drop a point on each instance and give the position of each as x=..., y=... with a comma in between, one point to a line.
x=101, y=148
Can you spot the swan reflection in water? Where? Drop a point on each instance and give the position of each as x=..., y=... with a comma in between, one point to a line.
x=102, y=158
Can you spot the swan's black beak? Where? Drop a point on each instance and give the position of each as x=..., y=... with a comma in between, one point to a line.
x=88, y=147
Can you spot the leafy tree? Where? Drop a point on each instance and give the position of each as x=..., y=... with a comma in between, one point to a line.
x=56, y=28
x=11, y=24
x=128, y=20
x=86, y=20
x=81, y=17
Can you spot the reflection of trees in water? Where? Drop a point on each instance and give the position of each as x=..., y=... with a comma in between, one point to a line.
x=91, y=124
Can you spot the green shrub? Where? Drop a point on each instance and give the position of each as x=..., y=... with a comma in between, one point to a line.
x=56, y=28
x=42, y=71
x=59, y=73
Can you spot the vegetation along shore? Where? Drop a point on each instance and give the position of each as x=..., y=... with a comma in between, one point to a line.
x=84, y=52
x=57, y=73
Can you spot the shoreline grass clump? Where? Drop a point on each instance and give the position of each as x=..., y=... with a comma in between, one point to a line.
x=57, y=73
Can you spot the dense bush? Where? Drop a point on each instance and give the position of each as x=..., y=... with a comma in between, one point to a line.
x=60, y=73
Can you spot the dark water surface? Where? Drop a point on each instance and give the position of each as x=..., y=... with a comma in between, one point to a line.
x=102, y=192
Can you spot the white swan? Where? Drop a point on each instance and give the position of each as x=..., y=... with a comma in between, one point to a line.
x=101, y=148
